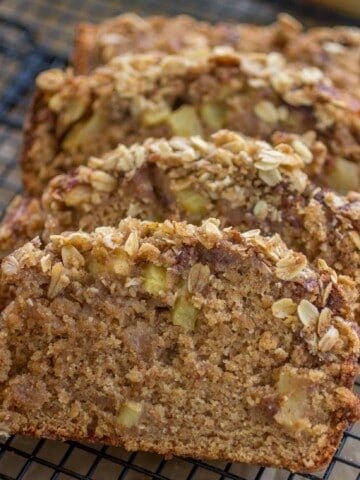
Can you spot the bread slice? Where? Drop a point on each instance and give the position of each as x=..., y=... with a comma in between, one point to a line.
x=336, y=50
x=137, y=96
x=242, y=182
x=95, y=45
x=181, y=340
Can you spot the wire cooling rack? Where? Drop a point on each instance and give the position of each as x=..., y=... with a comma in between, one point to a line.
x=36, y=35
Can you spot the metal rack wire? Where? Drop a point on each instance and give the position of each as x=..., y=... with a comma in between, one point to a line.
x=22, y=55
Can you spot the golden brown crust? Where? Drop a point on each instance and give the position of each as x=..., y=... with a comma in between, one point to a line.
x=84, y=55
x=23, y=220
x=230, y=367
x=39, y=121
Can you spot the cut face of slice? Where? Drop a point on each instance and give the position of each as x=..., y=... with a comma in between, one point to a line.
x=185, y=353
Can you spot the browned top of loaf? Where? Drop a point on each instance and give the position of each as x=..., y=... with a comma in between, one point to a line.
x=243, y=182
x=178, y=339
x=97, y=44
x=137, y=96
x=335, y=50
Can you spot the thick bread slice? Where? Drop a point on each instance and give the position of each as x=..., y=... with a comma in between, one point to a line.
x=242, y=182
x=180, y=340
x=137, y=96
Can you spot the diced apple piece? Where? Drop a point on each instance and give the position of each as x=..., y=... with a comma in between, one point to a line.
x=214, y=115
x=184, y=314
x=96, y=268
x=193, y=203
x=83, y=132
x=225, y=92
x=185, y=121
x=129, y=414
x=120, y=263
x=154, y=117
x=294, y=390
x=154, y=279
x=345, y=176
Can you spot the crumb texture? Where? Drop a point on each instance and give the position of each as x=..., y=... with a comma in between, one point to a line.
x=180, y=340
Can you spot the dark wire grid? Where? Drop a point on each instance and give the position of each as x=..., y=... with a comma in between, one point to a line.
x=19, y=47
